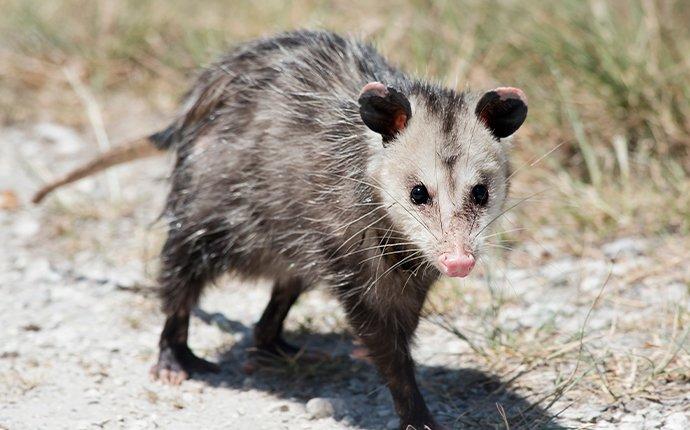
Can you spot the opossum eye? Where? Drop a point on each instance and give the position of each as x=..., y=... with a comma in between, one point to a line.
x=419, y=195
x=480, y=194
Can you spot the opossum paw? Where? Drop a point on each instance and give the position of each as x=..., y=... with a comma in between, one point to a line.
x=177, y=364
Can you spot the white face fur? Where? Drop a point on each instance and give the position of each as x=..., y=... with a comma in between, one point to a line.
x=436, y=183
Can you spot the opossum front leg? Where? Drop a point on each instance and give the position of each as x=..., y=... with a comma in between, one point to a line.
x=388, y=340
x=268, y=337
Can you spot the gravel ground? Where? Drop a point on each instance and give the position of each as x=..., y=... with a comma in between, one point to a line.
x=598, y=340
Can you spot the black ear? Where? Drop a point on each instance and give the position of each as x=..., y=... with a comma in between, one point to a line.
x=502, y=110
x=383, y=109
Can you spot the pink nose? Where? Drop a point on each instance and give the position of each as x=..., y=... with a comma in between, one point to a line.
x=456, y=264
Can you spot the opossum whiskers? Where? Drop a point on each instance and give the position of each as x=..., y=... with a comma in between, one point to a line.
x=383, y=254
x=421, y=267
x=512, y=230
x=497, y=246
x=379, y=246
x=378, y=264
x=421, y=222
x=503, y=212
x=381, y=188
x=345, y=226
x=369, y=286
x=386, y=237
x=408, y=259
x=360, y=231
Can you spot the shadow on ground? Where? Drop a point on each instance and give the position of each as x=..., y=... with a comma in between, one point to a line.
x=460, y=397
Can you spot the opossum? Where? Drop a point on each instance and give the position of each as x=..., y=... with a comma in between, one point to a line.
x=306, y=158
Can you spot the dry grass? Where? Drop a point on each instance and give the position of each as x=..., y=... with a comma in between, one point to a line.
x=608, y=82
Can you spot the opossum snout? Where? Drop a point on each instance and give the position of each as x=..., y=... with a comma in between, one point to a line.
x=456, y=264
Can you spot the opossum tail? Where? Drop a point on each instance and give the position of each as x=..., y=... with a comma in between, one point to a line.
x=145, y=147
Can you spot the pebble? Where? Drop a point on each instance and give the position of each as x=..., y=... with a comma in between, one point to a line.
x=40, y=270
x=93, y=393
x=280, y=407
x=653, y=419
x=677, y=421
x=589, y=414
x=392, y=424
x=26, y=227
x=627, y=246
x=631, y=425
x=66, y=140
x=604, y=425
x=382, y=412
x=320, y=407
x=383, y=396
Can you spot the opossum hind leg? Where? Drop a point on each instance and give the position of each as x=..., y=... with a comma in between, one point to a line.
x=176, y=361
x=187, y=265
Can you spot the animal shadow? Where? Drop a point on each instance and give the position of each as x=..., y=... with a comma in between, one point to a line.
x=462, y=398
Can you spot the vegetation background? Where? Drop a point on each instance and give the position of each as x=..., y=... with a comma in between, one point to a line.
x=608, y=81
x=604, y=154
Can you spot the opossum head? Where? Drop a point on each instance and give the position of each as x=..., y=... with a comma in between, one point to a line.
x=441, y=165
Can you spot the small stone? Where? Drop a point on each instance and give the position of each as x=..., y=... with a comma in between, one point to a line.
x=383, y=396
x=66, y=140
x=653, y=419
x=41, y=270
x=630, y=425
x=93, y=393
x=382, y=412
x=319, y=407
x=604, y=425
x=26, y=227
x=280, y=407
x=590, y=414
x=8, y=200
x=627, y=246
x=676, y=421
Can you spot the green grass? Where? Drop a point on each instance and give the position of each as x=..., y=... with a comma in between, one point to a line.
x=608, y=82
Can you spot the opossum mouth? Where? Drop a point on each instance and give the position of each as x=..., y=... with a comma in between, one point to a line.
x=456, y=274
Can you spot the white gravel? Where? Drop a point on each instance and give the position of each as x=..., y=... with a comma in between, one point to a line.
x=79, y=325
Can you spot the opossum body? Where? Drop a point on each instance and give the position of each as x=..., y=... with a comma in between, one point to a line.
x=306, y=158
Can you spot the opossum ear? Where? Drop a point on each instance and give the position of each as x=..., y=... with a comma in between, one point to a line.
x=502, y=110
x=383, y=109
